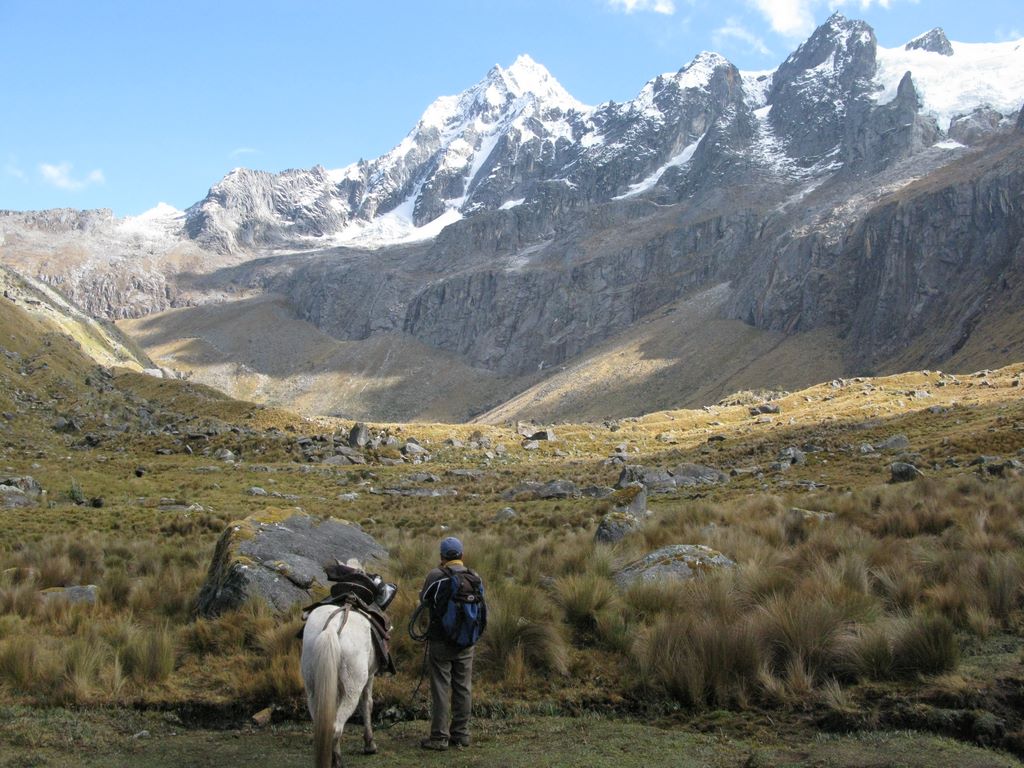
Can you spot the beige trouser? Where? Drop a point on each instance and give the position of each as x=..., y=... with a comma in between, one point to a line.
x=451, y=690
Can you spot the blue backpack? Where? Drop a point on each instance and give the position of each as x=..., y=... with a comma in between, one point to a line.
x=458, y=607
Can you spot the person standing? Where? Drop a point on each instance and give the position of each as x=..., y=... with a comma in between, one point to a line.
x=447, y=590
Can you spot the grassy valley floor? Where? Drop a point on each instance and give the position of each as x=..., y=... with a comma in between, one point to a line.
x=114, y=738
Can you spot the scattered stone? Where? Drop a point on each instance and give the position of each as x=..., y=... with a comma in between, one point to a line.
x=937, y=410
x=596, y=491
x=614, y=527
x=473, y=474
x=350, y=496
x=141, y=735
x=530, y=445
x=86, y=594
x=339, y=461
x=866, y=448
x=716, y=438
x=452, y=442
x=654, y=479
x=764, y=408
x=894, y=443
x=262, y=718
x=279, y=556
x=359, y=435
x=543, y=434
x=412, y=448
x=792, y=455
x=631, y=500
x=507, y=513
x=223, y=454
x=500, y=449
x=422, y=493
x=140, y=471
x=422, y=477
x=256, y=491
x=903, y=472
x=698, y=474
x=677, y=561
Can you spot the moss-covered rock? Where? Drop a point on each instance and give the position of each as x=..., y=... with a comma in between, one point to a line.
x=279, y=555
x=677, y=561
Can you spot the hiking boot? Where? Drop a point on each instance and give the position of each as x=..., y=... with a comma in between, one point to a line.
x=460, y=742
x=438, y=745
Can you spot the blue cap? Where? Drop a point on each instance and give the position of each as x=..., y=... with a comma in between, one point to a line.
x=451, y=549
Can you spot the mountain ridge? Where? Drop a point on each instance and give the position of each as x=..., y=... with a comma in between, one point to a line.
x=511, y=234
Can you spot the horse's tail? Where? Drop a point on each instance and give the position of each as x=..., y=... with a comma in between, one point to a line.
x=326, y=664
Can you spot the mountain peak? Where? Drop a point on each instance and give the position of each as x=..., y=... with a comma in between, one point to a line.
x=934, y=40
x=526, y=77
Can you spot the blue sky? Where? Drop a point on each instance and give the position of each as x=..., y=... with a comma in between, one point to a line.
x=126, y=104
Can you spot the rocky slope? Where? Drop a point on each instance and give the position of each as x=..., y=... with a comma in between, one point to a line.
x=864, y=195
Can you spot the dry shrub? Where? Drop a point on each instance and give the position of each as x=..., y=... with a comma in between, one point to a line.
x=1003, y=581
x=20, y=598
x=700, y=661
x=520, y=626
x=116, y=587
x=797, y=628
x=924, y=644
x=30, y=666
x=866, y=653
x=581, y=598
x=899, y=585
x=149, y=654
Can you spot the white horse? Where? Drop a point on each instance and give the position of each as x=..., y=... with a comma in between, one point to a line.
x=338, y=665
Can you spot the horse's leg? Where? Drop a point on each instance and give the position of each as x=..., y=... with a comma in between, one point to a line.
x=349, y=700
x=366, y=707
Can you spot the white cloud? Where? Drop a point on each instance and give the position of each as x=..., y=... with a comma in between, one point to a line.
x=795, y=18
x=666, y=7
x=1004, y=35
x=792, y=18
x=733, y=29
x=243, y=151
x=60, y=176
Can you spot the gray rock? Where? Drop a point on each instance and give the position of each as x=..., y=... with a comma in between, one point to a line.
x=698, y=474
x=414, y=449
x=341, y=460
x=902, y=472
x=894, y=443
x=654, y=479
x=630, y=500
x=472, y=474
x=349, y=496
x=615, y=526
x=531, y=445
x=452, y=442
x=677, y=561
x=279, y=556
x=504, y=514
x=421, y=477
x=792, y=455
x=543, y=434
x=596, y=491
x=558, y=489
x=359, y=435
x=223, y=454
x=256, y=491
x=86, y=594
x=757, y=410
x=26, y=484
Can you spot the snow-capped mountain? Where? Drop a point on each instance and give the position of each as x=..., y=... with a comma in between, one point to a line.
x=869, y=196
x=518, y=137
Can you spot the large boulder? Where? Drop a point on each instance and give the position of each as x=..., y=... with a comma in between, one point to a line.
x=629, y=509
x=18, y=492
x=279, y=555
x=677, y=561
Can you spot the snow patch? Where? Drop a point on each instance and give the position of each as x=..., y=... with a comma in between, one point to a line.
x=976, y=74
x=676, y=160
x=949, y=144
x=510, y=204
